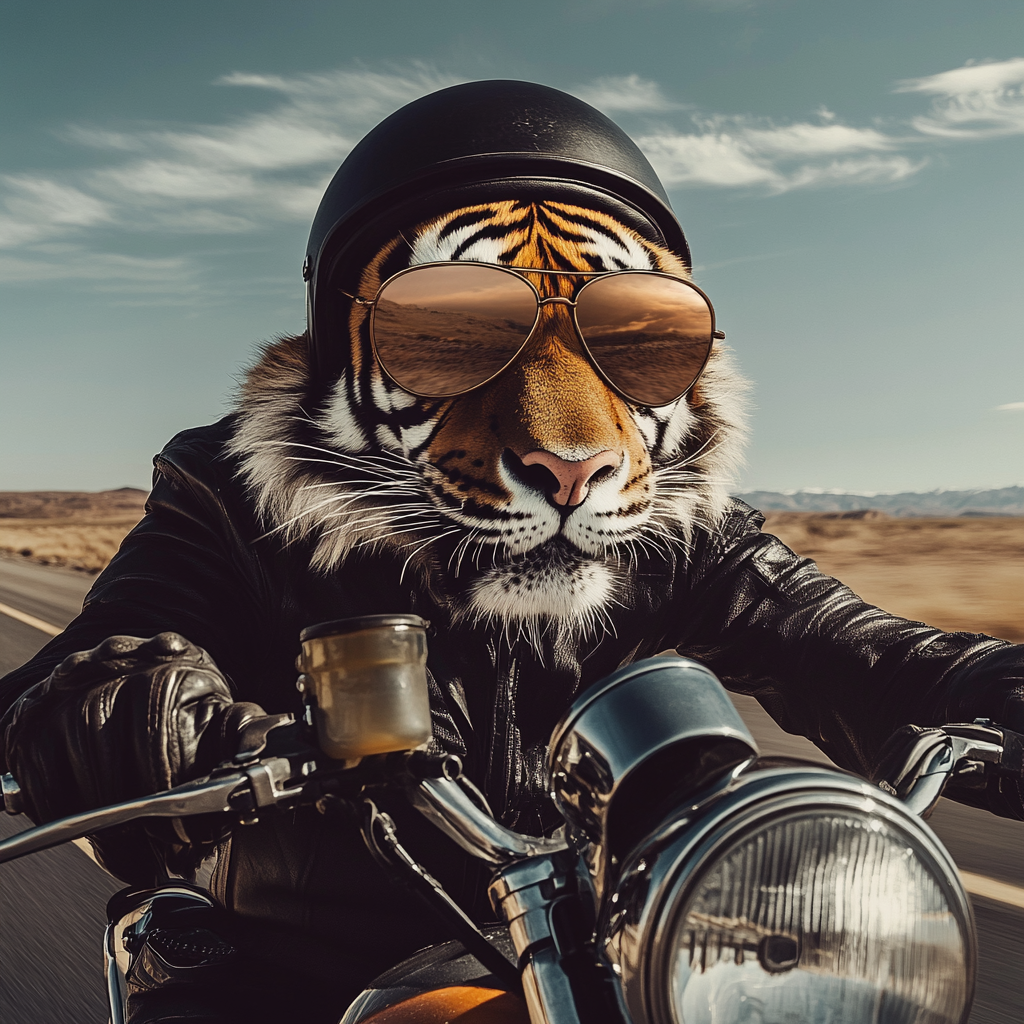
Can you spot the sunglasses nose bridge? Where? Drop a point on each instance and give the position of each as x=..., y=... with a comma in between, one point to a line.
x=555, y=327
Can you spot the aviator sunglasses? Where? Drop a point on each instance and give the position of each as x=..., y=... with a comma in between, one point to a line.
x=442, y=329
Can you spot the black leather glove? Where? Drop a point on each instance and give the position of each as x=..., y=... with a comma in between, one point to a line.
x=1006, y=794
x=129, y=718
x=1002, y=793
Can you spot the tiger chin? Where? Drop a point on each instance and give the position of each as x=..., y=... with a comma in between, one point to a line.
x=446, y=489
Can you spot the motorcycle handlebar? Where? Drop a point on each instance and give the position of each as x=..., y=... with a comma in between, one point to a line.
x=235, y=792
x=445, y=804
x=919, y=764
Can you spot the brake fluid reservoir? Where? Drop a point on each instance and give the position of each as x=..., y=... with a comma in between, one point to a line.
x=367, y=678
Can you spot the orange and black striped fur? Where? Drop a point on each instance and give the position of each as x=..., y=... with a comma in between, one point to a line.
x=442, y=484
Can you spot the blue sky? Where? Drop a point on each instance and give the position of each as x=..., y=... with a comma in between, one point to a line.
x=849, y=176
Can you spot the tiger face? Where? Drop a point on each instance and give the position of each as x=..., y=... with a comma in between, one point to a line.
x=530, y=501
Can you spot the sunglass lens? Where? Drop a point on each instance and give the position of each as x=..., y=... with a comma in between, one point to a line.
x=442, y=330
x=650, y=335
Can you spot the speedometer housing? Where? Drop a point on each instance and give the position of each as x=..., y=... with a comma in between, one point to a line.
x=792, y=894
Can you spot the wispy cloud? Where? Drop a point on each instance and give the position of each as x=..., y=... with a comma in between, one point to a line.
x=977, y=101
x=1011, y=407
x=262, y=168
x=625, y=94
x=269, y=168
x=39, y=208
x=63, y=261
x=743, y=152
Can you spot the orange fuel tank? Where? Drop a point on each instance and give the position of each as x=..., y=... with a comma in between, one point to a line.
x=456, y=1004
x=441, y=985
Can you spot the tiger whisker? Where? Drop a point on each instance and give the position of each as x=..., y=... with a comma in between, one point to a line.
x=380, y=537
x=336, y=459
x=341, y=465
x=465, y=550
x=704, y=450
x=402, y=506
x=426, y=544
x=348, y=482
x=344, y=499
x=382, y=518
x=460, y=549
x=300, y=515
x=363, y=465
x=383, y=455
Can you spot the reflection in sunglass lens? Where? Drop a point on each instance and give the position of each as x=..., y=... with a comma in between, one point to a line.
x=442, y=330
x=650, y=335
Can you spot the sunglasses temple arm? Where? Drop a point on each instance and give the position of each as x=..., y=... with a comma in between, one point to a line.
x=357, y=299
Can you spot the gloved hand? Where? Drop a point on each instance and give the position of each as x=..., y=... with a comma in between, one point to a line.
x=129, y=718
x=1006, y=794
x=1003, y=793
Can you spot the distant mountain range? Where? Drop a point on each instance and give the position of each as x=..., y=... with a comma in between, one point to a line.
x=1006, y=501
x=125, y=502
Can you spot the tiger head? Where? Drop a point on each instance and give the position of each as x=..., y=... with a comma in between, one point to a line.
x=529, y=503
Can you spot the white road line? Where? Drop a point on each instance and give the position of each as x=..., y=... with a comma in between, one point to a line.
x=1003, y=892
x=30, y=620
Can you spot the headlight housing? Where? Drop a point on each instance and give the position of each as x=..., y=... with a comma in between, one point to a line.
x=801, y=897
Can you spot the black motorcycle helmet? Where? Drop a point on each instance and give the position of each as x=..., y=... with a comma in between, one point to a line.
x=471, y=143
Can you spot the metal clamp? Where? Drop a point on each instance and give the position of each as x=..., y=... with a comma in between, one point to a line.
x=14, y=799
x=267, y=782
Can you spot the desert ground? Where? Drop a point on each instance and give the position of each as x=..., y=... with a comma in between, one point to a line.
x=964, y=573
x=77, y=529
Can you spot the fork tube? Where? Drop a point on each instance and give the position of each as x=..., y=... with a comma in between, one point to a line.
x=523, y=894
x=115, y=996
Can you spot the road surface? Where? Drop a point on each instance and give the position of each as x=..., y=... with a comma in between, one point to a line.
x=51, y=905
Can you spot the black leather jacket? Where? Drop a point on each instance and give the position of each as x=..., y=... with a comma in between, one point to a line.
x=822, y=662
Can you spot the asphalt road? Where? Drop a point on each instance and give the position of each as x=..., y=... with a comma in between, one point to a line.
x=51, y=904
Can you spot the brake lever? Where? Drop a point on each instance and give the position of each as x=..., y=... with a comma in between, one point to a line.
x=283, y=781
x=241, y=792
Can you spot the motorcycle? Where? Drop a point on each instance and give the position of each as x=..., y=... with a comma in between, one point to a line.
x=692, y=881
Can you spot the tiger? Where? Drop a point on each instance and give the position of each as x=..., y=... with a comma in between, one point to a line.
x=443, y=485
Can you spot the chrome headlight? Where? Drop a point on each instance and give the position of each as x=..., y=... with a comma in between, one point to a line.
x=802, y=897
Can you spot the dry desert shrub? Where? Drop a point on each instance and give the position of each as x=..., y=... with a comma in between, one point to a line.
x=77, y=529
x=78, y=544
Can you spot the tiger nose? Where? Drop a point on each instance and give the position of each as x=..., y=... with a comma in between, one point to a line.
x=573, y=478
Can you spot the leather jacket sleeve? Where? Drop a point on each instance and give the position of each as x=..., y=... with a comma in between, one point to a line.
x=99, y=716
x=828, y=666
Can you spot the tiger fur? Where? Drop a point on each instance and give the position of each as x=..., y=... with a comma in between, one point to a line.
x=438, y=483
